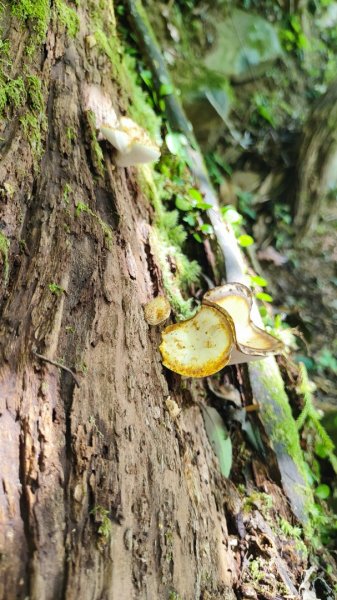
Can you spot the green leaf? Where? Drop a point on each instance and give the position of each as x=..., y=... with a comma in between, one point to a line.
x=197, y=237
x=176, y=143
x=146, y=76
x=261, y=281
x=231, y=215
x=203, y=206
x=321, y=450
x=206, y=228
x=263, y=311
x=183, y=204
x=264, y=297
x=245, y=240
x=195, y=194
x=218, y=438
x=190, y=219
x=322, y=491
x=166, y=89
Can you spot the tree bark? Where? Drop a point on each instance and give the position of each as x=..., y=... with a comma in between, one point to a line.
x=316, y=164
x=105, y=494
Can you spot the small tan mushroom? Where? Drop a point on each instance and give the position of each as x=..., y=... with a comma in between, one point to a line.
x=157, y=310
x=199, y=346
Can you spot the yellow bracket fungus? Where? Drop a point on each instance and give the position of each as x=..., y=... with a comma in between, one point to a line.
x=221, y=333
x=199, y=346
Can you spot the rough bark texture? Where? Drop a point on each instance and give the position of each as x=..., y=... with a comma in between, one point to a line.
x=71, y=453
x=317, y=159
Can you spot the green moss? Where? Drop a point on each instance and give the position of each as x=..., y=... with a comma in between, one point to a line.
x=257, y=569
x=167, y=238
x=84, y=208
x=96, y=150
x=34, y=93
x=68, y=17
x=32, y=128
x=139, y=108
x=35, y=13
x=4, y=249
x=12, y=92
x=123, y=68
x=105, y=45
x=101, y=515
x=55, y=289
x=167, y=254
x=260, y=500
x=70, y=134
x=276, y=412
x=66, y=193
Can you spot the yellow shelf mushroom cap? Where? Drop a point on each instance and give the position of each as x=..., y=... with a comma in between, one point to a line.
x=221, y=333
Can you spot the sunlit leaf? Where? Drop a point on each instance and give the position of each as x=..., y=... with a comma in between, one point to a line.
x=322, y=491
x=165, y=89
x=206, y=228
x=264, y=297
x=218, y=438
x=175, y=143
x=231, y=215
x=245, y=240
x=146, y=76
x=190, y=219
x=195, y=194
x=261, y=281
x=183, y=204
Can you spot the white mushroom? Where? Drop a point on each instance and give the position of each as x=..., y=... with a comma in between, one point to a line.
x=132, y=143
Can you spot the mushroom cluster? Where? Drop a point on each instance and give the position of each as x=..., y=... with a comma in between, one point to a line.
x=131, y=141
x=221, y=333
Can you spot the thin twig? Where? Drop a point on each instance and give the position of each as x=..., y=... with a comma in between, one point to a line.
x=59, y=365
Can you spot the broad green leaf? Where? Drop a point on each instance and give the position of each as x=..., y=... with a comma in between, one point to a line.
x=146, y=76
x=175, y=143
x=218, y=438
x=190, y=219
x=231, y=215
x=245, y=240
x=264, y=297
x=204, y=205
x=322, y=491
x=206, y=228
x=261, y=281
x=165, y=89
x=195, y=194
x=183, y=204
